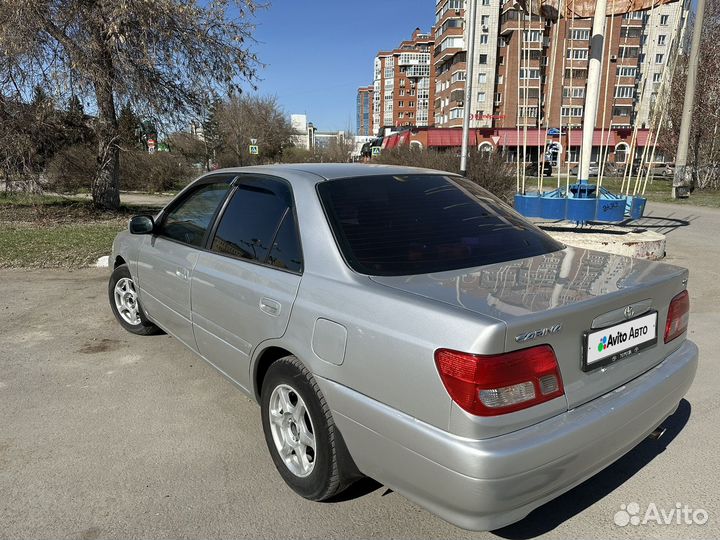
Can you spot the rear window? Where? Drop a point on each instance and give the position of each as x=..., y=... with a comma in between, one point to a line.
x=417, y=224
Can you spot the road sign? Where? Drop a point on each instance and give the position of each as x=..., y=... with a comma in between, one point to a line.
x=495, y=139
x=253, y=141
x=375, y=150
x=254, y=149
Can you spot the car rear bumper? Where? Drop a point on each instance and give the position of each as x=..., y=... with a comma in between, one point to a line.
x=486, y=484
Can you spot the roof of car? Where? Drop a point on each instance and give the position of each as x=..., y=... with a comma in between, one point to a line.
x=332, y=171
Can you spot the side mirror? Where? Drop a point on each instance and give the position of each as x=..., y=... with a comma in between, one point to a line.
x=142, y=225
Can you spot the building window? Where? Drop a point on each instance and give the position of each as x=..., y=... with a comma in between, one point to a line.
x=661, y=39
x=485, y=2
x=401, y=103
x=530, y=73
x=498, y=98
x=577, y=54
x=482, y=78
x=659, y=58
x=482, y=59
x=458, y=76
x=629, y=52
x=571, y=112
x=625, y=71
x=527, y=112
x=573, y=92
x=579, y=34
x=664, y=20
x=657, y=77
x=621, y=111
x=574, y=73
x=624, y=91
x=481, y=97
x=483, y=39
x=532, y=36
x=401, y=115
x=485, y=20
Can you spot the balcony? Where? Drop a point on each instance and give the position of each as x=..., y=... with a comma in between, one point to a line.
x=417, y=72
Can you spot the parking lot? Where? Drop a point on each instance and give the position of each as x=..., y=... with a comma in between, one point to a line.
x=104, y=434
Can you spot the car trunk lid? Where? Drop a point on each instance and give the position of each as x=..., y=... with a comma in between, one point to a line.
x=564, y=299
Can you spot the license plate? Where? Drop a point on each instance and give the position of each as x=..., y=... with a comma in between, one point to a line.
x=614, y=343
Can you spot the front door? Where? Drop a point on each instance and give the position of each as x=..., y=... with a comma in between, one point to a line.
x=167, y=259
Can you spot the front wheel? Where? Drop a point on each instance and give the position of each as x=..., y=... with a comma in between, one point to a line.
x=125, y=303
x=306, y=447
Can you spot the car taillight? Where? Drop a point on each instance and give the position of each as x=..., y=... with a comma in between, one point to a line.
x=678, y=316
x=489, y=385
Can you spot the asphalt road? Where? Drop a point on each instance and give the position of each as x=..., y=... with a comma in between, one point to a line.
x=108, y=435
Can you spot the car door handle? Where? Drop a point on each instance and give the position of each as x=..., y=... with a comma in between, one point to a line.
x=182, y=273
x=270, y=306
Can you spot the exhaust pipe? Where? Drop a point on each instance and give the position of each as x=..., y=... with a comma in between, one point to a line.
x=657, y=433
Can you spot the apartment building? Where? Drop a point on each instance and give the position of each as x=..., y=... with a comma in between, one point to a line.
x=402, y=90
x=450, y=60
x=637, y=53
x=514, y=80
x=364, y=117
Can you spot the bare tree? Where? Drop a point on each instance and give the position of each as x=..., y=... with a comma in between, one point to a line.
x=163, y=56
x=245, y=118
x=705, y=130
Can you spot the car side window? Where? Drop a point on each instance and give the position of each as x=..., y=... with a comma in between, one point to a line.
x=285, y=252
x=189, y=221
x=258, y=224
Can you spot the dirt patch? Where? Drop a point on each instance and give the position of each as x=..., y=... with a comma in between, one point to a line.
x=100, y=346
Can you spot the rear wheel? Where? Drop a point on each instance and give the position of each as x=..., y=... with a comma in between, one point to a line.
x=304, y=443
x=125, y=303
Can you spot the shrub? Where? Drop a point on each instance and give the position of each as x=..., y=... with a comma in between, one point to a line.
x=72, y=169
x=487, y=169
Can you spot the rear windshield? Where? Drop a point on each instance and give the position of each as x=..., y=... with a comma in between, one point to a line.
x=417, y=224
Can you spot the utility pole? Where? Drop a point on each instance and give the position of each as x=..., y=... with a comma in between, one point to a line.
x=681, y=180
x=468, y=85
x=597, y=45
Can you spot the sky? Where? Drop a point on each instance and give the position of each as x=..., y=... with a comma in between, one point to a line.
x=318, y=52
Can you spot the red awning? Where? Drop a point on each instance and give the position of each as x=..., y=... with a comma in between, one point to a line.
x=511, y=137
x=390, y=142
x=395, y=140
x=448, y=137
x=599, y=138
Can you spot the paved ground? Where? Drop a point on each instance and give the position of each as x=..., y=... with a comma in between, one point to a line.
x=105, y=434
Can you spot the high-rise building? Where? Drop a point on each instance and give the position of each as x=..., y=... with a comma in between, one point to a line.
x=402, y=90
x=521, y=83
x=364, y=111
x=449, y=60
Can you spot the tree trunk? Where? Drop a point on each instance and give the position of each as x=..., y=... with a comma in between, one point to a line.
x=106, y=184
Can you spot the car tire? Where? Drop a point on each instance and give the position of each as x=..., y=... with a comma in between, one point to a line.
x=125, y=303
x=305, y=445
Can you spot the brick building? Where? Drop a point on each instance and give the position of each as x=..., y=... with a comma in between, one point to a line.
x=402, y=90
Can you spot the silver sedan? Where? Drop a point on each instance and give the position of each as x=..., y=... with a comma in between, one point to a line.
x=406, y=325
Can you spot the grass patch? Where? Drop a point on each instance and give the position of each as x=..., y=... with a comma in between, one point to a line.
x=64, y=246
x=53, y=231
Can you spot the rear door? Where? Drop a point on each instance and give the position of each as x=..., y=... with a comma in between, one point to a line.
x=167, y=259
x=245, y=283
